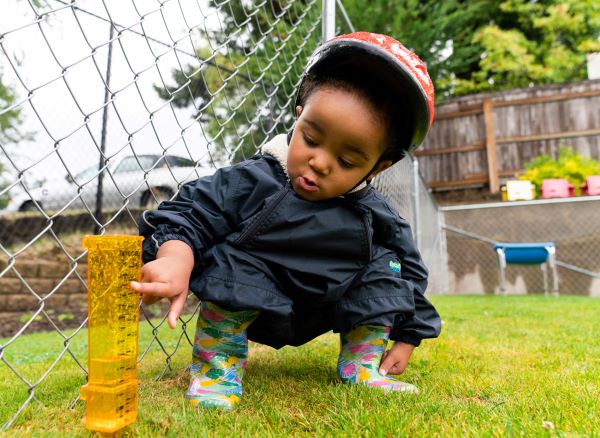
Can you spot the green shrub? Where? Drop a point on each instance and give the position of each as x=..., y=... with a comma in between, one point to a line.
x=570, y=165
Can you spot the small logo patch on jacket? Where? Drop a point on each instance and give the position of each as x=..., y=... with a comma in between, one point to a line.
x=395, y=266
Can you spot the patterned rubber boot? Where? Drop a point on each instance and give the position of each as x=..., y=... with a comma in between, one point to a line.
x=360, y=356
x=219, y=357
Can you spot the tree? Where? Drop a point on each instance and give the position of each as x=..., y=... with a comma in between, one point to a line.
x=244, y=85
x=494, y=44
x=440, y=32
x=548, y=45
x=10, y=119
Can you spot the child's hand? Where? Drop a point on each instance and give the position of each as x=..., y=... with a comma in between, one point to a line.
x=167, y=277
x=395, y=359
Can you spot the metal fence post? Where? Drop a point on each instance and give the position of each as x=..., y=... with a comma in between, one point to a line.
x=328, y=24
x=443, y=252
x=99, y=190
x=345, y=16
x=417, y=204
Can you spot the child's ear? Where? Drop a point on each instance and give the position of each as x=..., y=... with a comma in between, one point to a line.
x=379, y=168
x=298, y=111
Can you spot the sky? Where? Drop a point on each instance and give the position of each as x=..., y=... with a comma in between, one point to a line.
x=56, y=64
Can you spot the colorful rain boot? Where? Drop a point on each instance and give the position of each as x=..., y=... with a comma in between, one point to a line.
x=219, y=357
x=360, y=356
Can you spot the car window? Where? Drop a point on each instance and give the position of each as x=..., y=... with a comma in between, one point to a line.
x=184, y=162
x=87, y=174
x=180, y=162
x=132, y=164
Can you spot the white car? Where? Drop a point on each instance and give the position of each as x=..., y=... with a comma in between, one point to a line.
x=142, y=180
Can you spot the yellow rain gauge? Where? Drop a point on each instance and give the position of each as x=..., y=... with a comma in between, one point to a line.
x=113, y=315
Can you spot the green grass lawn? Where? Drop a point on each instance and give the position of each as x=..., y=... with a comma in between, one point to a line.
x=522, y=365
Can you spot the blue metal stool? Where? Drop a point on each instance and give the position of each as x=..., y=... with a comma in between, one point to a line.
x=536, y=253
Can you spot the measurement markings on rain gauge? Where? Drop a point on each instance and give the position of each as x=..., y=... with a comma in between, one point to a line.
x=113, y=315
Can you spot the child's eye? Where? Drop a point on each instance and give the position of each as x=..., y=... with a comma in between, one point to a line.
x=309, y=141
x=345, y=163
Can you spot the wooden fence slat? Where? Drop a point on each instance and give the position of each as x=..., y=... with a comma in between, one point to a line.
x=551, y=136
x=469, y=110
x=530, y=121
x=545, y=99
x=480, y=180
x=471, y=180
x=480, y=145
x=490, y=144
x=477, y=146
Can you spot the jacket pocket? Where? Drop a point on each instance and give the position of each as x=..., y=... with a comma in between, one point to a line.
x=261, y=219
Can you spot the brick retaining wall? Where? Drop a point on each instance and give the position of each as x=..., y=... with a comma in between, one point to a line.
x=65, y=308
x=40, y=277
x=24, y=287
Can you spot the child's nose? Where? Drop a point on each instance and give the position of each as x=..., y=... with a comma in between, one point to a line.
x=320, y=163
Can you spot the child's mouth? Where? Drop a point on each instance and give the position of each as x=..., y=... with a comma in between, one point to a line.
x=307, y=184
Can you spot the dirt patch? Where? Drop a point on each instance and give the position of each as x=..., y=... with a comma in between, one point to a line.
x=12, y=323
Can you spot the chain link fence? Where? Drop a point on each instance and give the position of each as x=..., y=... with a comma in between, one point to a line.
x=406, y=189
x=573, y=224
x=106, y=109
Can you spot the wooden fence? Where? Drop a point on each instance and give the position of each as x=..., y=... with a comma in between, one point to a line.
x=481, y=139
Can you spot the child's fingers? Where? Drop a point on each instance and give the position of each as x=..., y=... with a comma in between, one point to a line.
x=385, y=365
x=388, y=363
x=176, y=308
x=154, y=288
x=396, y=369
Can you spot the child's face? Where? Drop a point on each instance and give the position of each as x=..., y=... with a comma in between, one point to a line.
x=337, y=141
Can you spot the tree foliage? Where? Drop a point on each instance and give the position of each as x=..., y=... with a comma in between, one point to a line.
x=10, y=119
x=244, y=85
x=494, y=44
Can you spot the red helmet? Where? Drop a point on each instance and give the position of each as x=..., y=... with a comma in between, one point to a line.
x=389, y=63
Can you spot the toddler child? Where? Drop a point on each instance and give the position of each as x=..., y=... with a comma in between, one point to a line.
x=295, y=242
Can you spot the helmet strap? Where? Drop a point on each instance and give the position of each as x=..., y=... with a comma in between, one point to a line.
x=367, y=175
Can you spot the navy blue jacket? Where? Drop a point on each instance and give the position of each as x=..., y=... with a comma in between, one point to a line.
x=310, y=267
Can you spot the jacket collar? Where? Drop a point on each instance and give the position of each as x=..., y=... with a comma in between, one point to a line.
x=277, y=148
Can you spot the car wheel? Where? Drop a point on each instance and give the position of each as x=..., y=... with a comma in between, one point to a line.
x=29, y=206
x=153, y=197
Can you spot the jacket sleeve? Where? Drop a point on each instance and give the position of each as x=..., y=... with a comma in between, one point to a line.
x=396, y=234
x=203, y=213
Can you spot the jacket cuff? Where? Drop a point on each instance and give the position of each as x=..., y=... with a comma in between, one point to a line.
x=408, y=339
x=153, y=242
x=166, y=237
